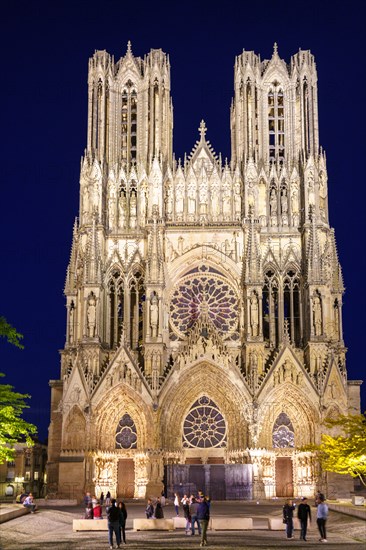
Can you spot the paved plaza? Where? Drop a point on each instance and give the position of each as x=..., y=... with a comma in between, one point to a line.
x=52, y=528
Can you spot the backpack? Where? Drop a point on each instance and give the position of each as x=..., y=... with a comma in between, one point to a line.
x=113, y=514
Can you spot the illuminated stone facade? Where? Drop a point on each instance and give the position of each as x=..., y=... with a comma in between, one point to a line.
x=204, y=340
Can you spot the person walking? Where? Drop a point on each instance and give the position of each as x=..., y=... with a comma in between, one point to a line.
x=113, y=524
x=193, y=510
x=303, y=513
x=122, y=521
x=288, y=517
x=321, y=519
x=203, y=515
x=176, y=504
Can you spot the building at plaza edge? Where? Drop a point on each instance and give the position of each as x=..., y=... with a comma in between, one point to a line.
x=204, y=343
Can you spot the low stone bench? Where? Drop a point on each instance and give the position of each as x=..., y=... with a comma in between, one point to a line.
x=276, y=524
x=90, y=525
x=153, y=525
x=11, y=512
x=231, y=524
x=179, y=522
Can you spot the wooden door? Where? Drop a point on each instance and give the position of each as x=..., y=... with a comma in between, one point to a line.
x=284, y=477
x=126, y=478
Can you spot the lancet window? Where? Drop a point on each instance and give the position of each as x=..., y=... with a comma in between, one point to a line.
x=306, y=116
x=270, y=308
x=291, y=305
x=116, y=308
x=126, y=433
x=137, y=299
x=204, y=426
x=129, y=123
x=276, y=123
x=106, y=126
x=283, y=432
x=97, y=114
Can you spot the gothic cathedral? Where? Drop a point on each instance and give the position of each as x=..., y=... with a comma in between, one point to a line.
x=204, y=341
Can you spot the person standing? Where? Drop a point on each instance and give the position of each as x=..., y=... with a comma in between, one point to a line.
x=113, y=524
x=122, y=521
x=186, y=512
x=107, y=501
x=203, y=515
x=101, y=499
x=303, y=513
x=159, y=514
x=176, y=504
x=288, y=517
x=321, y=518
x=193, y=509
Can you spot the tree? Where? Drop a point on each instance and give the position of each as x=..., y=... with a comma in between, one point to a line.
x=13, y=428
x=346, y=453
x=10, y=333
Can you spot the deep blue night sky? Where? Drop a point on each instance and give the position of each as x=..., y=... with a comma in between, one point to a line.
x=45, y=50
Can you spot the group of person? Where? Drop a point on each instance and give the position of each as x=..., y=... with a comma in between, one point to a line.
x=304, y=515
x=196, y=511
x=154, y=509
x=116, y=515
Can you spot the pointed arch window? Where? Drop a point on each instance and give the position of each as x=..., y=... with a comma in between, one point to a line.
x=283, y=432
x=270, y=308
x=291, y=302
x=204, y=426
x=116, y=308
x=137, y=300
x=126, y=433
x=276, y=122
x=129, y=123
x=306, y=116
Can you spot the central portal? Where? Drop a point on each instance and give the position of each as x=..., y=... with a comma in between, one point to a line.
x=126, y=478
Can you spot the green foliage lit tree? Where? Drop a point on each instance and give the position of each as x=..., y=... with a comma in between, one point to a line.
x=13, y=429
x=345, y=453
x=10, y=333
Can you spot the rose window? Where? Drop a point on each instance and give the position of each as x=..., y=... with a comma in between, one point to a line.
x=204, y=426
x=126, y=436
x=283, y=432
x=204, y=291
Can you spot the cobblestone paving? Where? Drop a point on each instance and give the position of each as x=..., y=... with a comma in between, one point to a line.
x=52, y=528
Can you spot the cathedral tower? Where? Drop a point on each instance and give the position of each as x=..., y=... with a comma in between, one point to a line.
x=204, y=340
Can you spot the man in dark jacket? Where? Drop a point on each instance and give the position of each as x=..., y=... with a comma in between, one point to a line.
x=303, y=513
x=113, y=524
x=203, y=516
x=288, y=514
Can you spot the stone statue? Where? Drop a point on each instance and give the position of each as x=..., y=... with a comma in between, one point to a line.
x=122, y=210
x=273, y=202
x=91, y=315
x=317, y=316
x=71, y=324
x=154, y=315
x=284, y=203
x=254, y=317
